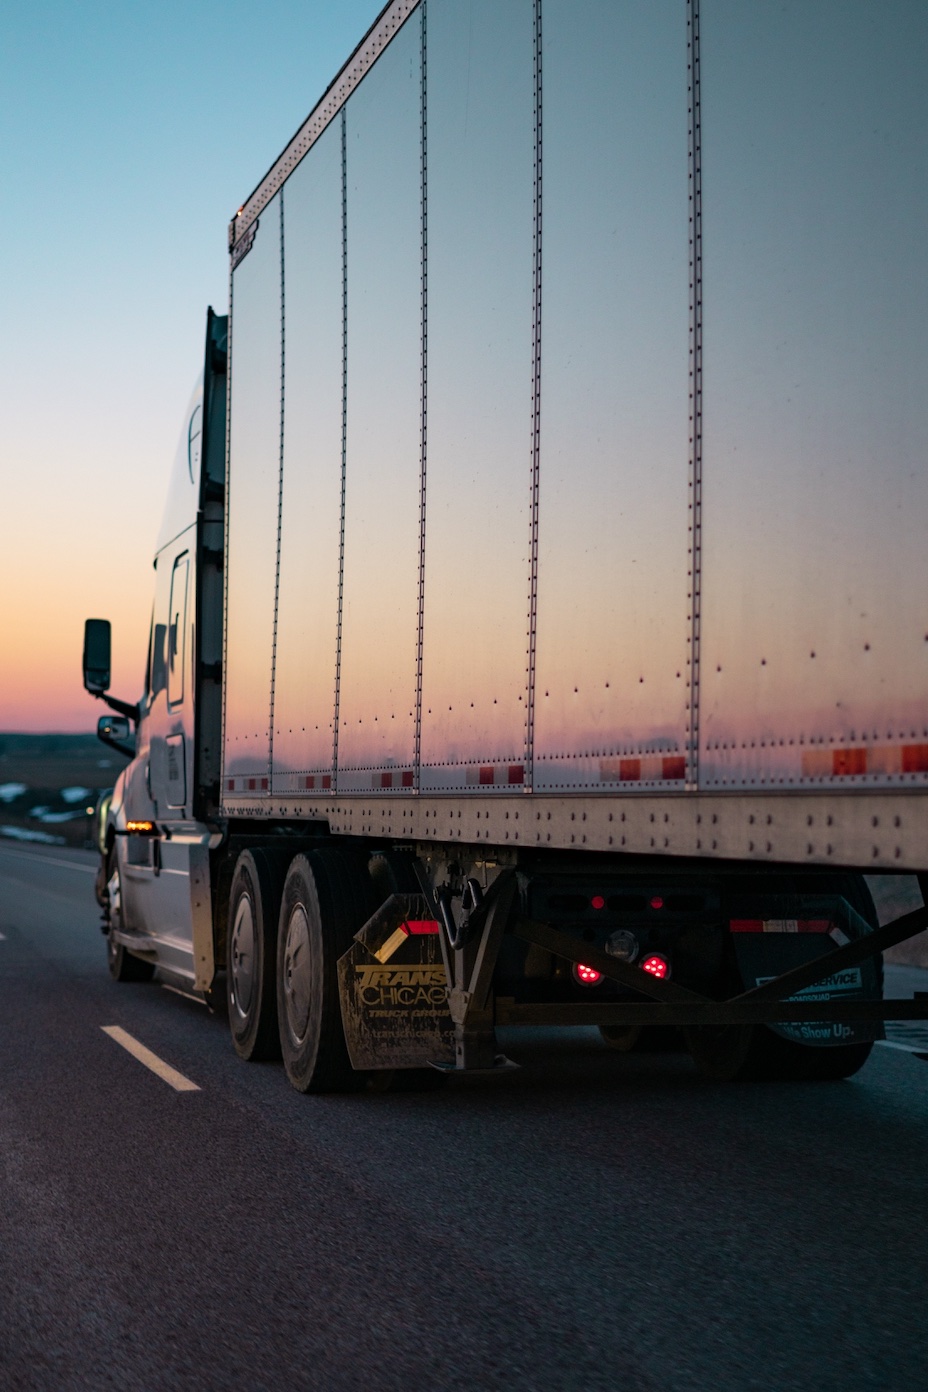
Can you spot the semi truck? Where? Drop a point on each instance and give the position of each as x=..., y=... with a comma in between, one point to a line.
x=540, y=630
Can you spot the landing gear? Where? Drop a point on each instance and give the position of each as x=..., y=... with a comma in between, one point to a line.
x=640, y=1039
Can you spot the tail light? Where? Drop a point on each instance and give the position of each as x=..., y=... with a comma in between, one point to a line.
x=655, y=965
x=587, y=976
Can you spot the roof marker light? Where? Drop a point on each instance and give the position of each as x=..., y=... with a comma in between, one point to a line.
x=657, y=902
x=597, y=902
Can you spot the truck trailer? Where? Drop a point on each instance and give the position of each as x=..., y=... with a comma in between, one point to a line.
x=540, y=632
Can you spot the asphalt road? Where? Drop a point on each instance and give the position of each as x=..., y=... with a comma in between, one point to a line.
x=591, y=1221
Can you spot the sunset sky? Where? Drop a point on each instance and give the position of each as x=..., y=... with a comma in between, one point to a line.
x=129, y=135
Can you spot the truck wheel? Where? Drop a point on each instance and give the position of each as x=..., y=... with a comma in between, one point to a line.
x=752, y=1053
x=327, y=897
x=123, y=966
x=782, y=1060
x=739, y=1053
x=251, y=952
x=727, y=1054
x=392, y=873
x=787, y=1061
x=640, y=1039
x=622, y=1038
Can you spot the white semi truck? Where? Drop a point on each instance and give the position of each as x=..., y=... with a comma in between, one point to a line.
x=540, y=631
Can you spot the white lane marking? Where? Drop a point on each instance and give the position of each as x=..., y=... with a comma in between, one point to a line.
x=920, y=1050
x=51, y=860
x=164, y=1070
x=187, y=995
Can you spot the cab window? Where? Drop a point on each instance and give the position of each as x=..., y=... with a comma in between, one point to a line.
x=177, y=630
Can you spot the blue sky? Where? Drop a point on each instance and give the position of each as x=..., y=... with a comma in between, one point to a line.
x=129, y=135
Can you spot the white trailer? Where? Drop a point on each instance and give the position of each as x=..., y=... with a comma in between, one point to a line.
x=541, y=594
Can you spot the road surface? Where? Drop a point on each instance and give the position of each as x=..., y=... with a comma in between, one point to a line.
x=591, y=1221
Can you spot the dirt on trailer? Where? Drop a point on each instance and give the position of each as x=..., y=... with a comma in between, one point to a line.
x=48, y=783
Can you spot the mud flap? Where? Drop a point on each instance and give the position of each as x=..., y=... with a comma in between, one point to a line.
x=394, y=991
x=774, y=937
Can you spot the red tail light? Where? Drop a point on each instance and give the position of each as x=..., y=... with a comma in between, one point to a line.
x=655, y=966
x=587, y=976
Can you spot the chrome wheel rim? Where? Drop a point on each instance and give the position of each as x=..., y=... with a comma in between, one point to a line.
x=114, y=898
x=242, y=957
x=297, y=975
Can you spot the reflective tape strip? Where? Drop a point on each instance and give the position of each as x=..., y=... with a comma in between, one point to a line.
x=387, y=949
x=651, y=768
x=253, y=785
x=857, y=760
x=494, y=775
x=780, y=925
x=413, y=926
x=393, y=779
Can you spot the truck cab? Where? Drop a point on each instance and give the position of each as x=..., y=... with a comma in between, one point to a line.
x=158, y=829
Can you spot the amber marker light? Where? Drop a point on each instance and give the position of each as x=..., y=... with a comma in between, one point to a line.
x=142, y=828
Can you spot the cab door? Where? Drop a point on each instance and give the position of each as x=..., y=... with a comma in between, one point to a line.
x=161, y=890
x=171, y=723
x=137, y=853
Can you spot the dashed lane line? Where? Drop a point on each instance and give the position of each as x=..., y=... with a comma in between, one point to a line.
x=157, y=1065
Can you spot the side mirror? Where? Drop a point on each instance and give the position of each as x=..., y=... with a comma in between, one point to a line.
x=114, y=731
x=97, y=656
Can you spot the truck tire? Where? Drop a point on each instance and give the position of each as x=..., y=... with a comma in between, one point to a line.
x=754, y=1053
x=641, y=1039
x=327, y=897
x=251, y=954
x=782, y=1060
x=724, y=1054
x=123, y=966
